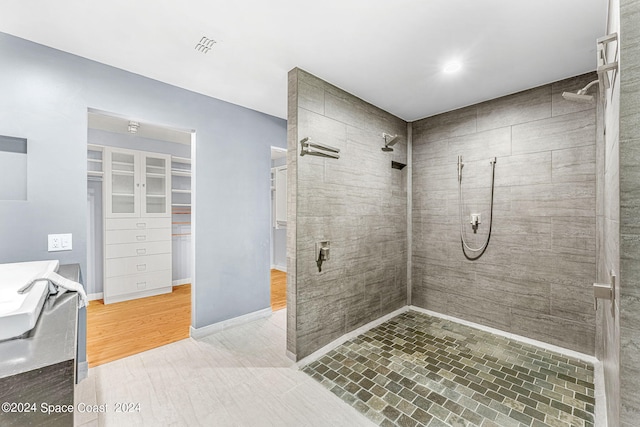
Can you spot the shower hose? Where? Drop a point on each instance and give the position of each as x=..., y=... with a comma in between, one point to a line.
x=465, y=247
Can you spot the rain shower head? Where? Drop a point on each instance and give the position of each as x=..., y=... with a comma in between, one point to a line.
x=581, y=95
x=389, y=141
x=577, y=97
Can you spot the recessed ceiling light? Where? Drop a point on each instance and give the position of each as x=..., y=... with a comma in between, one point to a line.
x=452, y=67
x=133, y=127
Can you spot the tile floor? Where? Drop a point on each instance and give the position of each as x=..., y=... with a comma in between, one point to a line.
x=420, y=370
x=237, y=377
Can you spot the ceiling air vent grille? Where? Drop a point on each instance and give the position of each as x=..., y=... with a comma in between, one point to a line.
x=205, y=44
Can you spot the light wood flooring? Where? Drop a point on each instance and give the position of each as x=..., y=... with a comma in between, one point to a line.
x=278, y=290
x=119, y=330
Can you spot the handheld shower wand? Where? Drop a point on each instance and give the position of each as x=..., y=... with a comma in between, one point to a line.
x=460, y=166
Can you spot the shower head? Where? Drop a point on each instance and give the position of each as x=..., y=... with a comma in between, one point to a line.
x=581, y=95
x=577, y=97
x=389, y=141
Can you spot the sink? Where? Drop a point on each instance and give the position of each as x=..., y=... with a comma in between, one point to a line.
x=19, y=312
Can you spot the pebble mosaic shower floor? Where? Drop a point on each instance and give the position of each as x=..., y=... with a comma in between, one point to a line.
x=419, y=370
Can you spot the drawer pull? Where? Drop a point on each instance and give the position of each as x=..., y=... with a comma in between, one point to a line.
x=141, y=225
x=141, y=267
x=141, y=251
x=141, y=238
x=142, y=285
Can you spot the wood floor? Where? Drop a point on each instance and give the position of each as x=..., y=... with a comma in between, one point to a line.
x=278, y=290
x=122, y=329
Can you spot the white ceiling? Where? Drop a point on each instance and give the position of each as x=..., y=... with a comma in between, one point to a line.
x=112, y=123
x=389, y=53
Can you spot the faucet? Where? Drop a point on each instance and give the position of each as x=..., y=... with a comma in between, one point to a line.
x=29, y=285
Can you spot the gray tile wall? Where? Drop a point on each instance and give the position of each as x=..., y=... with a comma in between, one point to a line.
x=608, y=220
x=536, y=275
x=629, y=142
x=357, y=202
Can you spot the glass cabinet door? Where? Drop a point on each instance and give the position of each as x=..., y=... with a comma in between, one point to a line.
x=156, y=185
x=123, y=184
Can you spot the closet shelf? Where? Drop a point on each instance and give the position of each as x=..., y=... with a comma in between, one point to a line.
x=180, y=172
x=181, y=205
x=95, y=173
x=94, y=160
x=184, y=160
x=181, y=222
x=178, y=190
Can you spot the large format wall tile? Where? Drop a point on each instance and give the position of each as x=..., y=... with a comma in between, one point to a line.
x=357, y=202
x=521, y=107
x=541, y=261
x=566, y=131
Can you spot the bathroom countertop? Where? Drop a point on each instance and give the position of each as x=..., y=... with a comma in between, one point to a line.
x=52, y=340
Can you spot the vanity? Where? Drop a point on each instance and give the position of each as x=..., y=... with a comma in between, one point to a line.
x=38, y=370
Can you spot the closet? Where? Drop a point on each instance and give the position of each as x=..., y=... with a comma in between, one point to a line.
x=139, y=196
x=137, y=224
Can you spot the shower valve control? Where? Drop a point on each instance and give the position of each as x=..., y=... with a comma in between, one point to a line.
x=476, y=220
x=322, y=253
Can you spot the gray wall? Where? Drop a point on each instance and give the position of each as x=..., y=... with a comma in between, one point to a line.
x=629, y=212
x=538, y=269
x=357, y=202
x=45, y=97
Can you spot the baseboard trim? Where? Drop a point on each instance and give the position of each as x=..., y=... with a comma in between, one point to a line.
x=346, y=337
x=83, y=371
x=197, y=333
x=93, y=297
x=564, y=351
x=179, y=282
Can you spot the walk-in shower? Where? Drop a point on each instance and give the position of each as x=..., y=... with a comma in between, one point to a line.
x=475, y=218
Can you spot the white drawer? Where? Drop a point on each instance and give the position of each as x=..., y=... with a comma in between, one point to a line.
x=137, y=265
x=136, y=283
x=136, y=223
x=113, y=237
x=136, y=249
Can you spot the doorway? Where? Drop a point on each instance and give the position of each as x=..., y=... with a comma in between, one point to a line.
x=278, y=228
x=140, y=250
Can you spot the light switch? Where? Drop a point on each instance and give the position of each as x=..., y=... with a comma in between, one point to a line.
x=60, y=242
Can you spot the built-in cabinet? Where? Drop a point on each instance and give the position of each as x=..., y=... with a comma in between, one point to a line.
x=137, y=224
x=138, y=184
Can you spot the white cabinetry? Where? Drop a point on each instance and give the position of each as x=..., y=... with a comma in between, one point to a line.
x=137, y=224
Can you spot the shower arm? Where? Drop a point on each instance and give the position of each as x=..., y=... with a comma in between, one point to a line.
x=584, y=90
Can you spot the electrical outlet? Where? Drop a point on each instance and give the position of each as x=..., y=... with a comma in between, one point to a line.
x=60, y=242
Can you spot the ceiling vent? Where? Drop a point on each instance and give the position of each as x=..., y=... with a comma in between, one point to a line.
x=205, y=44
